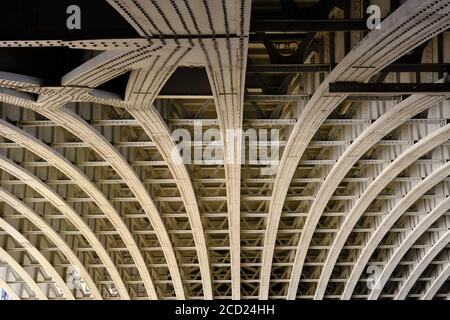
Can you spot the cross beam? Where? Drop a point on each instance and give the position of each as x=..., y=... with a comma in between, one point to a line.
x=388, y=88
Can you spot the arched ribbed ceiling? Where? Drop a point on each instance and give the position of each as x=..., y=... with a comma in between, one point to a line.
x=348, y=199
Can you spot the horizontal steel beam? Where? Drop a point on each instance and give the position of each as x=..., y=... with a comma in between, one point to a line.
x=214, y=122
x=216, y=181
x=219, y=231
x=276, y=97
x=284, y=25
x=223, y=215
x=388, y=88
x=418, y=67
x=324, y=67
x=223, y=198
x=289, y=68
x=161, y=163
x=253, y=248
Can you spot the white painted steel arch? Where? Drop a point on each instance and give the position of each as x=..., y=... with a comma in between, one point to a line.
x=142, y=109
x=40, y=223
x=214, y=34
x=226, y=71
x=410, y=239
x=87, y=133
x=402, y=162
x=228, y=97
x=378, y=49
x=23, y=274
x=437, y=283
x=380, y=128
x=420, y=266
x=9, y=290
x=227, y=78
x=37, y=255
x=225, y=61
x=62, y=164
x=80, y=128
x=56, y=200
x=371, y=244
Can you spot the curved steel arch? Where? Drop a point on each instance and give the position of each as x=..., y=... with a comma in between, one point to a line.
x=410, y=198
x=422, y=265
x=226, y=75
x=56, y=200
x=228, y=91
x=93, y=73
x=437, y=283
x=36, y=254
x=382, y=126
x=402, y=162
x=411, y=238
x=27, y=212
x=9, y=290
x=155, y=127
x=87, y=133
x=77, y=126
x=377, y=50
x=62, y=164
x=228, y=98
x=287, y=262
x=20, y=271
x=80, y=83
x=226, y=72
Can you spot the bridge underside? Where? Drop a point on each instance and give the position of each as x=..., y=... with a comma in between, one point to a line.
x=188, y=149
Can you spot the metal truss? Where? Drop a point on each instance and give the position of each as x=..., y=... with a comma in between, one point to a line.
x=9, y=290
x=61, y=290
x=408, y=200
x=437, y=283
x=395, y=168
x=21, y=275
x=73, y=173
x=382, y=52
x=407, y=242
x=95, y=203
x=421, y=265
